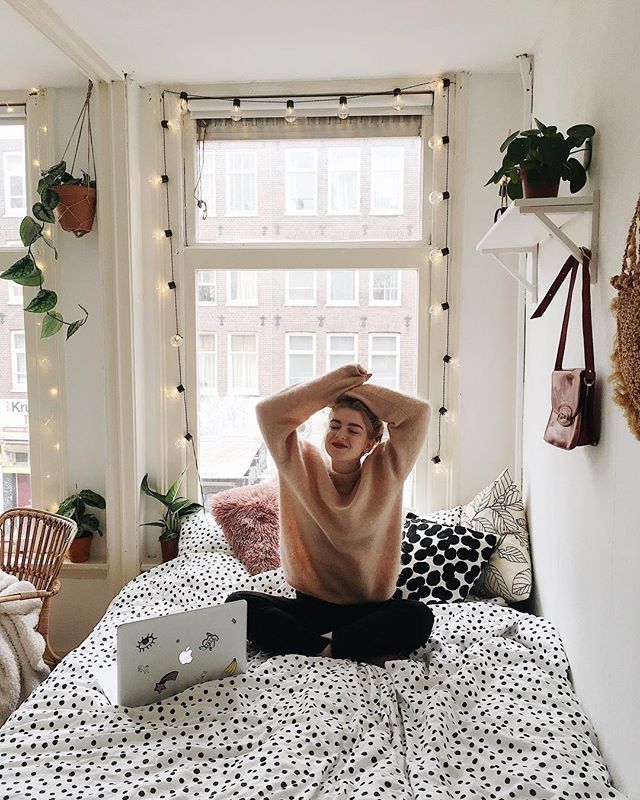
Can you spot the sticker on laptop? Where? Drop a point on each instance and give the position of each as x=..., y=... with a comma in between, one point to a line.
x=161, y=685
x=231, y=668
x=209, y=641
x=143, y=668
x=147, y=642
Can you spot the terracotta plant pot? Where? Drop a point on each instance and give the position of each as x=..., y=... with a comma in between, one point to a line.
x=77, y=208
x=547, y=188
x=80, y=549
x=169, y=549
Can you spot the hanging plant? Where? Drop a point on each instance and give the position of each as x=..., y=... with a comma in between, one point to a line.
x=75, y=201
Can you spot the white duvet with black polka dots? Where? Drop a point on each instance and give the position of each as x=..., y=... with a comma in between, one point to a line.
x=484, y=711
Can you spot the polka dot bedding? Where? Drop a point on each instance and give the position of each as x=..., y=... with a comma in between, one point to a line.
x=484, y=710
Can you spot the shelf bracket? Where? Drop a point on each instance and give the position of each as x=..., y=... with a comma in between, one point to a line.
x=531, y=287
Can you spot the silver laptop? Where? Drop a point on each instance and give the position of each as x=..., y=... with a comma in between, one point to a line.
x=160, y=656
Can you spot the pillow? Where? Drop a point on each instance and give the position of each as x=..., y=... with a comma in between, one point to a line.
x=498, y=508
x=200, y=533
x=248, y=516
x=446, y=516
x=440, y=564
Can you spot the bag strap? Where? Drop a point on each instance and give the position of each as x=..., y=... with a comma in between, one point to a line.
x=570, y=266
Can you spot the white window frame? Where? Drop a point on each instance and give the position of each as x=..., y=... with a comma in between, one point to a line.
x=209, y=169
x=207, y=283
x=246, y=391
x=229, y=212
x=289, y=171
x=8, y=174
x=396, y=353
x=372, y=299
x=331, y=351
x=353, y=303
x=15, y=294
x=208, y=390
x=288, y=301
x=385, y=212
x=289, y=352
x=16, y=386
x=331, y=171
x=245, y=303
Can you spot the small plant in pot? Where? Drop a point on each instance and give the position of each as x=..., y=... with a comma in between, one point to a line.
x=75, y=507
x=73, y=198
x=536, y=160
x=176, y=509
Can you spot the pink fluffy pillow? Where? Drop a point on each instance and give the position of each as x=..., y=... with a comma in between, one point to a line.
x=248, y=516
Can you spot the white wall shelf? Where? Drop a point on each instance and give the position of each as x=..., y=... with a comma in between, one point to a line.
x=528, y=222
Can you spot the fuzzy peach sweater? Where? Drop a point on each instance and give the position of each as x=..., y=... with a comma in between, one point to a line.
x=340, y=534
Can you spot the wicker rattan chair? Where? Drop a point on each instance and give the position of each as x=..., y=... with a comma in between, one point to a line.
x=33, y=545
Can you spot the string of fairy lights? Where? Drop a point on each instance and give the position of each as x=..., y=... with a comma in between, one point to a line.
x=436, y=255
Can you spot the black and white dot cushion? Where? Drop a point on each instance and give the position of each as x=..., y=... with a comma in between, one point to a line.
x=439, y=564
x=200, y=533
x=446, y=516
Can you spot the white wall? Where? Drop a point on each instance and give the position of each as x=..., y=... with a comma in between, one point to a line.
x=583, y=505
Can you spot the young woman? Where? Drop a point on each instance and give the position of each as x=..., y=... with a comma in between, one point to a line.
x=341, y=521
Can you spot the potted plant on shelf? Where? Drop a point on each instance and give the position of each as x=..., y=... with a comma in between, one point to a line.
x=75, y=507
x=176, y=509
x=536, y=160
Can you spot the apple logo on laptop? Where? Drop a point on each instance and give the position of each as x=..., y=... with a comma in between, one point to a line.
x=185, y=656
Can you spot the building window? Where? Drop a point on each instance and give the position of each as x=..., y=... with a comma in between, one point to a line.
x=384, y=360
x=384, y=288
x=242, y=178
x=300, y=287
x=242, y=287
x=342, y=287
x=18, y=362
x=243, y=363
x=301, y=358
x=207, y=363
x=208, y=181
x=342, y=348
x=15, y=198
x=301, y=183
x=387, y=180
x=344, y=180
x=15, y=294
x=206, y=287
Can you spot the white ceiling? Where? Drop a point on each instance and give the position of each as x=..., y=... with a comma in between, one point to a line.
x=200, y=41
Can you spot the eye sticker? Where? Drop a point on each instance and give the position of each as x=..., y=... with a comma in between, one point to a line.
x=147, y=642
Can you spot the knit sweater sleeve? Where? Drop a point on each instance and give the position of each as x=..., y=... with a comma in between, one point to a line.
x=407, y=421
x=283, y=412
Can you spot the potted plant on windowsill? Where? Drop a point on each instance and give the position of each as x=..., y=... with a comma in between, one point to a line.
x=536, y=160
x=176, y=509
x=75, y=507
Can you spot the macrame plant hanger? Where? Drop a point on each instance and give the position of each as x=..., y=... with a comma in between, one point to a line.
x=626, y=306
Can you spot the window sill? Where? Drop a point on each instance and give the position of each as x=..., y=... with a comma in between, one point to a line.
x=235, y=214
x=373, y=213
x=301, y=214
x=93, y=568
x=343, y=213
x=350, y=303
x=235, y=304
x=302, y=303
x=395, y=303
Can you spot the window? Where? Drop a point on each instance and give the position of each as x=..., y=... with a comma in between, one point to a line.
x=344, y=180
x=242, y=288
x=342, y=348
x=208, y=181
x=387, y=180
x=301, y=358
x=342, y=287
x=300, y=287
x=243, y=363
x=15, y=296
x=15, y=198
x=301, y=183
x=207, y=366
x=384, y=362
x=18, y=362
x=242, y=192
x=206, y=287
x=384, y=288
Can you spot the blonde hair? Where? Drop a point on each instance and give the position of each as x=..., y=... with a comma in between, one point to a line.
x=373, y=424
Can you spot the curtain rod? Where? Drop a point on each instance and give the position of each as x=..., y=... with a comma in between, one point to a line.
x=282, y=96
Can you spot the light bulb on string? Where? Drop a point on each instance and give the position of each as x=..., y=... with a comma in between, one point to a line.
x=438, y=197
x=176, y=340
x=343, y=110
x=236, y=114
x=181, y=443
x=438, y=142
x=455, y=363
x=290, y=114
x=438, y=253
x=155, y=180
x=9, y=109
x=184, y=104
x=443, y=83
x=398, y=102
x=437, y=308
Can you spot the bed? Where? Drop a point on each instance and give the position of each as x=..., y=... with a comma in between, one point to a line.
x=485, y=710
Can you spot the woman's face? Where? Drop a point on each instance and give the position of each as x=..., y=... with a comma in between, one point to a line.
x=346, y=437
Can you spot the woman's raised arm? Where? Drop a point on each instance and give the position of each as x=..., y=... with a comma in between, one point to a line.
x=283, y=412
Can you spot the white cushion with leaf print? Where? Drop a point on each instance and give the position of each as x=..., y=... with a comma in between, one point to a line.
x=499, y=508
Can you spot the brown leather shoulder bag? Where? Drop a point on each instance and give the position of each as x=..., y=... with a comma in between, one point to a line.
x=572, y=419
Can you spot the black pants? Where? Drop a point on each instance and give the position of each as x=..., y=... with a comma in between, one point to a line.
x=294, y=625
